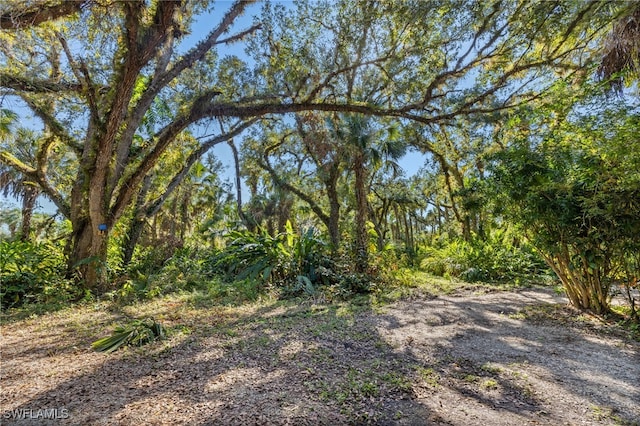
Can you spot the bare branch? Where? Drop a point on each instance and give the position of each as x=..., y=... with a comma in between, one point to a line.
x=203, y=47
x=82, y=74
x=265, y=165
x=240, y=35
x=53, y=124
x=343, y=70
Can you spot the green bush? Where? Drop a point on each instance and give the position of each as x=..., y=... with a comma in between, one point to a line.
x=31, y=272
x=294, y=264
x=575, y=191
x=271, y=260
x=150, y=259
x=343, y=281
x=447, y=261
x=494, y=259
x=155, y=274
x=256, y=256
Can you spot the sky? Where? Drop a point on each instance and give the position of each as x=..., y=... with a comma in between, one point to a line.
x=411, y=162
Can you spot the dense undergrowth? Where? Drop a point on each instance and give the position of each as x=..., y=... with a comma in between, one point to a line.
x=497, y=258
x=32, y=273
x=297, y=266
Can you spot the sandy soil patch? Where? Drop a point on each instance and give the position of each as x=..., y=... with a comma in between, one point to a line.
x=503, y=358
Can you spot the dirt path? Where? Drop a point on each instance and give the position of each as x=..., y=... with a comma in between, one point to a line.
x=500, y=369
x=516, y=358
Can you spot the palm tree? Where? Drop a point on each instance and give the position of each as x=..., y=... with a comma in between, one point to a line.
x=13, y=183
x=8, y=119
x=622, y=49
x=370, y=149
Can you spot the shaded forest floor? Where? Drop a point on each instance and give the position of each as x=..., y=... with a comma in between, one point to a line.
x=467, y=358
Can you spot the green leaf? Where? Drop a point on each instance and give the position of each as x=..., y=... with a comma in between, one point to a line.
x=136, y=333
x=113, y=342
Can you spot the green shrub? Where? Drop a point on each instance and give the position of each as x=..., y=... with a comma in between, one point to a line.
x=448, y=261
x=31, y=272
x=575, y=191
x=342, y=282
x=495, y=259
x=257, y=256
x=294, y=264
x=151, y=259
x=153, y=276
x=271, y=260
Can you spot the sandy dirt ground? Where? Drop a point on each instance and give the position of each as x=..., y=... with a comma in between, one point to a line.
x=499, y=358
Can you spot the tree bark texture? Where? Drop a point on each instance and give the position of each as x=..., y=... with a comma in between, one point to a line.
x=88, y=258
x=361, y=236
x=30, y=196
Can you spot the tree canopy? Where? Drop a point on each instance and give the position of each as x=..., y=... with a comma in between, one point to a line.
x=127, y=103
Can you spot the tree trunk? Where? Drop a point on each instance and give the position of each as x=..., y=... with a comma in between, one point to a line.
x=466, y=227
x=412, y=243
x=28, y=204
x=585, y=289
x=380, y=241
x=185, y=219
x=236, y=167
x=131, y=239
x=461, y=217
x=137, y=224
x=379, y=219
x=284, y=212
x=88, y=257
x=361, y=240
x=395, y=232
x=407, y=238
x=334, y=214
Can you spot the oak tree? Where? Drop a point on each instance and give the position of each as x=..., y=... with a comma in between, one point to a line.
x=91, y=72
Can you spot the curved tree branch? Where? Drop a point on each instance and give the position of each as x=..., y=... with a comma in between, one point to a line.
x=152, y=207
x=32, y=85
x=39, y=12
x=265, y=165
x=130, y=185
x=163, y=76
x=53, y=125
x=35, y=174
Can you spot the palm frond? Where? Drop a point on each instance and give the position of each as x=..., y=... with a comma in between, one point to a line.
x=135, y=333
